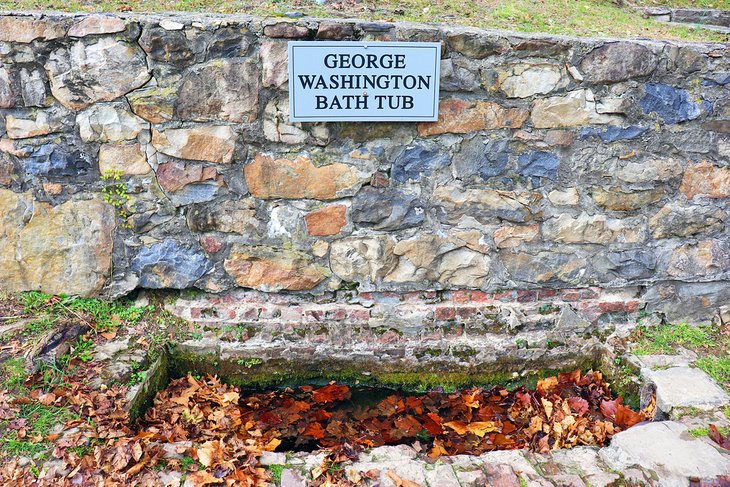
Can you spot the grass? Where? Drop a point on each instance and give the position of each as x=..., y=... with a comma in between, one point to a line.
x=595, y=18
x=702, y=432
x=718, y=4
x=276, y=471
x=666, y=339
x=40, y=420
x=710, y=342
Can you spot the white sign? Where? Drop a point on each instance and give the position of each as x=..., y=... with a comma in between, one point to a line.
x=363, y=81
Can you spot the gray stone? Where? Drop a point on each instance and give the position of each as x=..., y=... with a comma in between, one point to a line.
x=576, y=108
x=481, y=156
x=58, y=161
x=110, y=349
x=32, y=87
x=166, y=46
x=668, y=450
x=220, y=90
x=82, y=74
x=95, y=25
x=362, y=258
x=631, y=265
x=684, y=387
x=673, y=105
x=8, y=92
x=387, y=209
x=109, y=123
x=524, y=80
x=292, y=478
x=618, y=61
x=675, y=220
x=538, y=164
x=613, y=133
x=442, y=476
x=597, y=229
x=486, y=205
x=473, y=45
x=229, y=42
x=418, y=161
x=169, y=264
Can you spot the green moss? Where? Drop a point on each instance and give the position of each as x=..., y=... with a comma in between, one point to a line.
x=156, y=379
x=276, y=471
x=13, y=373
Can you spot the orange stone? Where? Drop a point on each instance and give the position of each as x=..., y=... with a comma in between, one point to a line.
x=707, y=180
x=269, y=178
x=326, y=221
x=458, y=116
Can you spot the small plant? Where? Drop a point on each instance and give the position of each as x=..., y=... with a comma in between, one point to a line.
x=83, y=349
x=137, y=378
x=250, y=362
x=276, y=471
x=13, y=374
x=116, y=194
x=188, y=463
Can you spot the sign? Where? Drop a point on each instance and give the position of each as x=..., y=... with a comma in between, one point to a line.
x=363, y=81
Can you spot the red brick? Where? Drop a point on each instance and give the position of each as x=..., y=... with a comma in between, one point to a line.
x=211, y=244
x=546, y=293
x=508, y=295
x=461, y=296
x=358, y=316
x=465, y=311
x=443, y=313
x=480, y=297
x=526, y=296
x=336, y=315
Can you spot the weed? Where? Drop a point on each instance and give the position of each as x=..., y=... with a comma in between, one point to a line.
x=116, y=194
x=665, y=338
x=276, y=471
x=705, y=431
x=250, y=362
x=83, y=349
x=187, y=463
x=137, y=378
x=717, y=367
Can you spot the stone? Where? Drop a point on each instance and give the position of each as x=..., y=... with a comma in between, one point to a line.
x=171, y=25
x=473, y=45
x=471, y=478
x=559, y=137
x=212, y=143
x=230, y=216
x=229, y=42
x=650, y=170
x=166, y=46
x=220, y=90
x=82, y=74
x=628, y=264
x=509, y=236
x=274, y=63
x=14, y=28
x=618, y=61
x=577, y=108
x=482, y=157
x=387, y=209
x=292, y=478
x=8, y=92
x=362, y=258
x=418, y=161
x=32, y=87
x=334, y=31
x=436, y=259
x=596, y=229
x=544, y=267
x=673, y=105
x=169, y=264
x=55, y=160
x=612, y=133
x=442, y=475
x=97, y=24
x=675, y=220
x=615, y=199
x=270, y=178
x=22, y=128
x=61, y=249
x=271, y=269
x=278, y=128
x=483, y=204
x=525, y=80
x=701, y=259
x=722, y=126
x=327, y=221
x=459, y=116
x=705, y=179
x=108, y=123
x=174, y=175
x=538, y=164
x=685, y=387
x=566, y=197
x=288, y=30
x=672, y=453
x=128, y=159
x=154, y=104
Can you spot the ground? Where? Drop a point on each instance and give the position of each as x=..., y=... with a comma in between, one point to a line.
x=595, y=18
x=74, y=370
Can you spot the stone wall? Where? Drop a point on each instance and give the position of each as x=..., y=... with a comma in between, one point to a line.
x=155, y=151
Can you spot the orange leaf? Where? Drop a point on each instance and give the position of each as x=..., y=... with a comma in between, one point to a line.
x=331, y=393
x=458, y=426
x=481, y=428
x=399, y=482
x=314, y=430
x=546, y=385
x=626, y=418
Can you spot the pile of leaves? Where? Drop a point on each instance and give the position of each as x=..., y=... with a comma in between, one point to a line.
x=225, y=431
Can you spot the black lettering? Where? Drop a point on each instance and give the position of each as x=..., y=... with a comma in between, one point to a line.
x=344, y=61
x=372, y=61
x=334, y=81
x=409, y=82
x=330, y=61
x=389, y=63
x=380, y=99
x=321, y=83
x=335, y=103
x=407, y=102
x=361, y=103
x=358, y=61
x=369, y=80
x=400, y=61
x=321, y=102
x=306, y=80
x=424, y=81
x=386, y=84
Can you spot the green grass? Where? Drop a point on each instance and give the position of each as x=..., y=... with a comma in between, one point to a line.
x=718, y=4
x=717, y=367
x=596, y=18
x=702, y=432
x=665, y=339
x=40, y=421
x=13, y=374
x=276, y=471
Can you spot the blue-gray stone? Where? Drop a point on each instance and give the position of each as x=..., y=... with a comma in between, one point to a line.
x=169, y=264
x=613, y=133
x=538, y=164
x=418, y=161
x=485, y=158
x=387, y=209
x=633, y=264
x=716, y=79
x=293, y=15
x=673, y=105
x=53, y=160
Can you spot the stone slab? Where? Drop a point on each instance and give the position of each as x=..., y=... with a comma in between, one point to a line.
x=685, y=387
